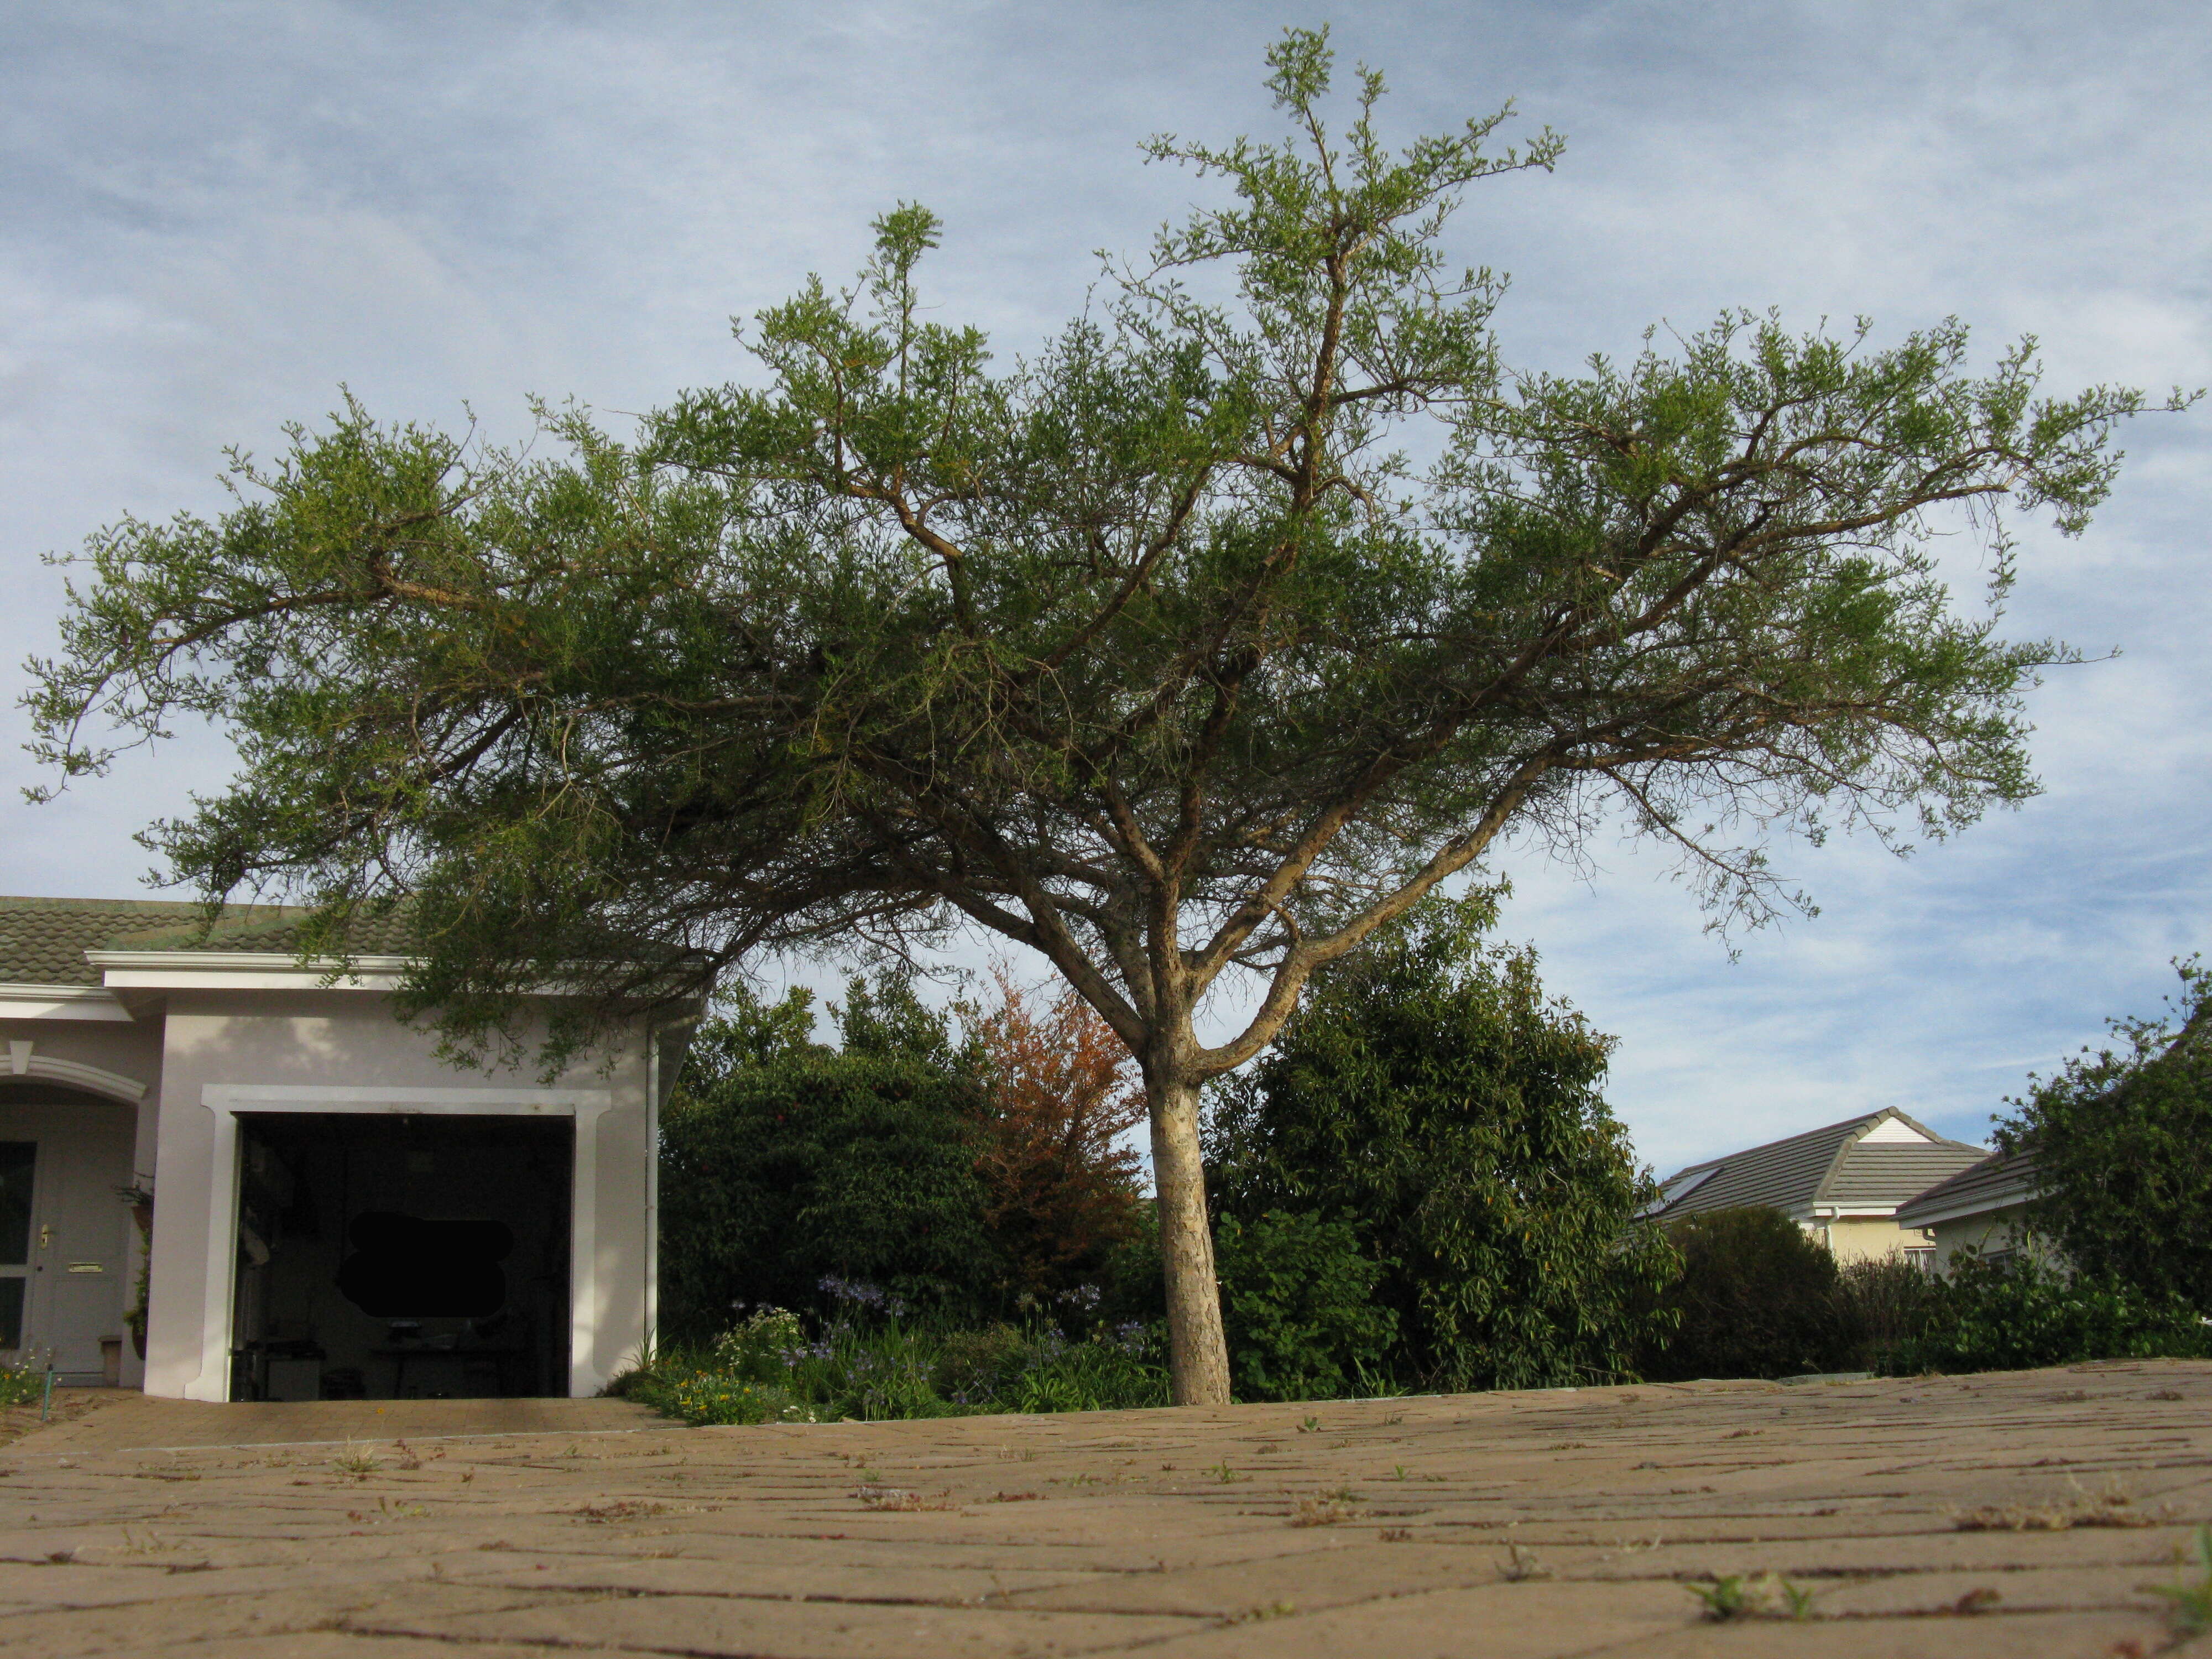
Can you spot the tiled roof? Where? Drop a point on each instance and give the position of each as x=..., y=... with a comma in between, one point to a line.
x=274, y=929
x=1998, y=1180
x=1832, y=1165
x=1878, y=1177
x=43, y=941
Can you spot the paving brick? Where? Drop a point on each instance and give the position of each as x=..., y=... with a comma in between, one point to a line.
x=1530, y=1524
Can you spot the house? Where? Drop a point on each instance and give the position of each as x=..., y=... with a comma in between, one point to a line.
x=1844, y=1183
x=247, y=1164
x=1980, y=1208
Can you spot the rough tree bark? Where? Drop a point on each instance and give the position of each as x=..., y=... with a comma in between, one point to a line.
x=1198, y=1352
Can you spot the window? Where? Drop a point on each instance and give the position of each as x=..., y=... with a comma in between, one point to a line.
x=19, y=1161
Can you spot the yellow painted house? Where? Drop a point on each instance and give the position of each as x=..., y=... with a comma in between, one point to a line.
x=1846, y=1183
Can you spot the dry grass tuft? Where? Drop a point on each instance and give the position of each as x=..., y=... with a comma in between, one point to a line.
x=2112, y=1507
x=1331, y=1509
x=624, y=1509
x=1521, y=1566
x=900, y=1499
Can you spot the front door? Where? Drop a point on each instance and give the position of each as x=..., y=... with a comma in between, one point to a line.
x=63, y=1238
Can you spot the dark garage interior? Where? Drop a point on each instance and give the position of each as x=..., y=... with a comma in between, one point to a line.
x=397, y=1256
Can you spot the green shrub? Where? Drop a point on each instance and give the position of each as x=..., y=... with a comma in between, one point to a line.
x=2122, y=1143
x=810, y=1166
x=756, y=1348
x=1887, y=1302
x=2021, y=1312
x=20, y=1386
x=1297, y=1298
x=1757, y=1297
x=718, y=1397
x=870, y=1362
x=1430, y=1091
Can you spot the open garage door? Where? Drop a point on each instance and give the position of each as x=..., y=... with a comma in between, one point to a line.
x=400, y=1256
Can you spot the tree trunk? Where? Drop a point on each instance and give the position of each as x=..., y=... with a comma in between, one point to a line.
x=1198, y=1353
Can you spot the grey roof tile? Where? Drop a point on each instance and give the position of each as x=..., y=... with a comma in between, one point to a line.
x=2000, y=1179
x=43, y=940
x=1830, y=1165
x=274, y=929
x=1891, y=1173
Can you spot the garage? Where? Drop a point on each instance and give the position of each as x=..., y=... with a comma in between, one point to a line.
x=398, y=1256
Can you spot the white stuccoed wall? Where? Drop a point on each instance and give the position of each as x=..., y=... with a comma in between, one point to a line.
x=267, y=1045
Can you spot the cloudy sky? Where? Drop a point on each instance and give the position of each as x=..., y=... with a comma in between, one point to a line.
x=216, y=214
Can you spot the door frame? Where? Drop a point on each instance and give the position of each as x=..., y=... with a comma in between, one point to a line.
x=226, y=1100
x=65, y=1152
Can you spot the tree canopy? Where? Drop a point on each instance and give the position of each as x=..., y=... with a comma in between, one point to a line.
x=1431, y=1096
x=2122, y=1139
x=1155, y=651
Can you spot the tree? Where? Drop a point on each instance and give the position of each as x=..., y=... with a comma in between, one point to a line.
x=2123, y=1144
x=784, y=1161
x=1060, y=1185
x=1155, y=652
x=1431, y=1096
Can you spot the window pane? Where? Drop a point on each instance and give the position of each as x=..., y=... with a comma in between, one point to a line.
x=16, y=1159
x=11, y=1313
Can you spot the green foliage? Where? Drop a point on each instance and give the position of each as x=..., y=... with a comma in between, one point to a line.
x=870, y=1364
x=1298, y=1298
x=883, y=1017
x=1732, y=1596
x=1132, y=1285
x=786, y=1165
x=2022, y=1312
x=2190, y=1603
x=1757, y=1297
x=1885, y=1303
x=2122, y=1140
x=1432, y=1095
x=780, y=1173
x=1156, y=615
x=709, y=1396
x=756, y=1348
x=742, y=1030
x=20, y=1386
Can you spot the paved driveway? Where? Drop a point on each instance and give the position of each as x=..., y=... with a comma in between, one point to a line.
x=2022, y=1514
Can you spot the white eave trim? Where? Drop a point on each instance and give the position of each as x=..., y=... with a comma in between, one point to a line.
x=244, y=970
x=1985, y=1203
x=60, y=1002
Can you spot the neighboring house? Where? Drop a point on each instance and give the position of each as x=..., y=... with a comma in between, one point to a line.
x=1843, y=1184
x=335, y=1212
x=1980, y=1208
